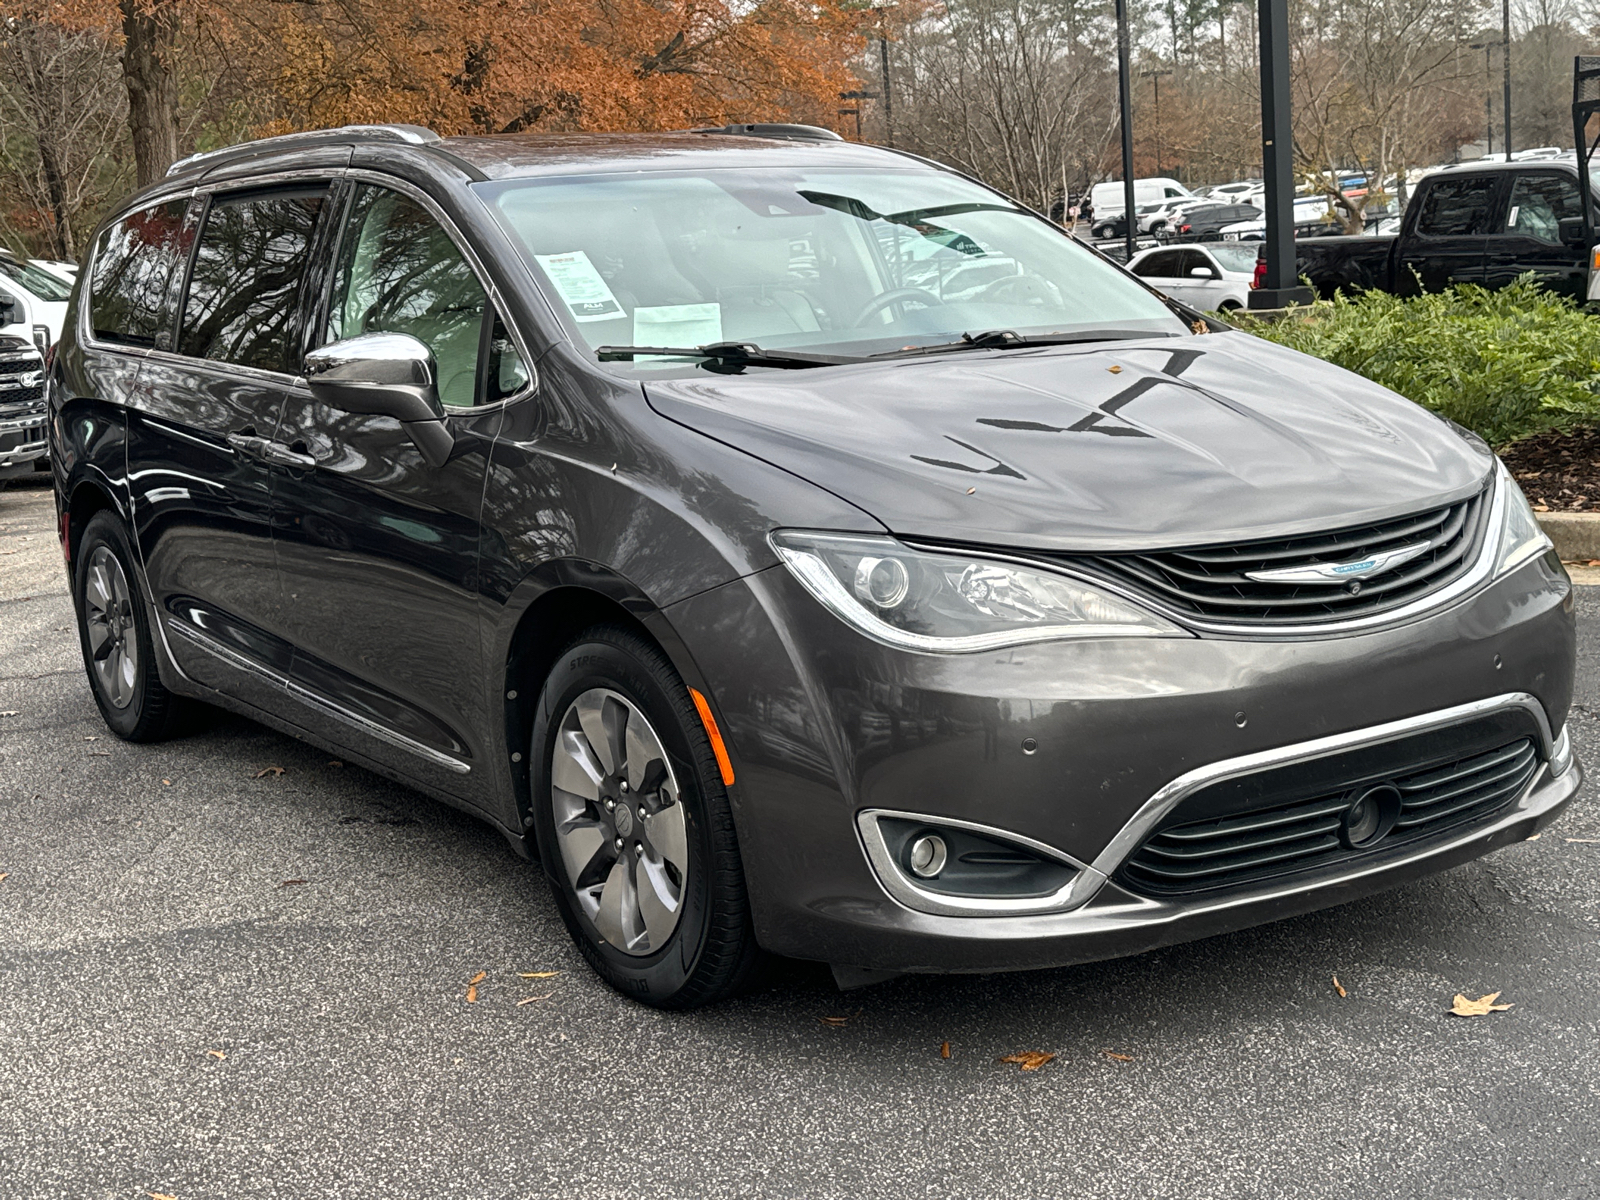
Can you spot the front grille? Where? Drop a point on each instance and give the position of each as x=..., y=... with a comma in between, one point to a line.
x=1212, y=583
x=22, y=396
x=1301, y=832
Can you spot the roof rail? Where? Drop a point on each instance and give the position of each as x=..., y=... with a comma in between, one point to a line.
x=792, y=133
x=415, y=135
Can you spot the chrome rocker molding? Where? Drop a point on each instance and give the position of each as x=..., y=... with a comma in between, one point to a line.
x=306, y=696
x=1556, y=752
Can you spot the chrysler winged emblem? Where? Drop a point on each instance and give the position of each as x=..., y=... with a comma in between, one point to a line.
x=1356, y=569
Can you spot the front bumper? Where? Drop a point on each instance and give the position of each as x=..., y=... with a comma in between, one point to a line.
x=22, y=444
x=824, y=725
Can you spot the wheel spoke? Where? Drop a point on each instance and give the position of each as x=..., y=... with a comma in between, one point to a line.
x=575, y=768
x=590, y=718
x=643, y=753
x=658, y=900
x=614, y=716
x=99, y=636
x=98, y=592
x=618, y=916
x=581, y=841
x=670, y=838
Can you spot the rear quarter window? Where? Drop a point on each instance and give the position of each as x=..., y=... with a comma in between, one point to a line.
x=133, y=262
x=1457, y=207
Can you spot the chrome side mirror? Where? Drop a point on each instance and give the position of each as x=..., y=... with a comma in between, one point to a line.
x=385, y=375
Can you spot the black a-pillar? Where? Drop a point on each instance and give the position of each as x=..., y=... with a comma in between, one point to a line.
x=1281, y=287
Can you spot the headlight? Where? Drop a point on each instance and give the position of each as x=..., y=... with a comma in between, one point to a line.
x=1520, y=535
x=951, y=603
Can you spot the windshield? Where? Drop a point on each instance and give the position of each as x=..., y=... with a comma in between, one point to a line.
x=1234, y=257
x=840, y=262
x=41, y=283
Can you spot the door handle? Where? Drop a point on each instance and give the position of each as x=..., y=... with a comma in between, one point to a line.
x=284, y=456
x=246, y=443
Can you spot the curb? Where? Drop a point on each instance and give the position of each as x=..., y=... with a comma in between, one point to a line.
x=1576, y=535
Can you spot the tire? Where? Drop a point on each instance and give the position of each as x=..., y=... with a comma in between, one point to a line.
x=114, y=634
x=701, y=951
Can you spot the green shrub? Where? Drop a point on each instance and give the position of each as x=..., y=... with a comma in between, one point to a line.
x=1505, y=364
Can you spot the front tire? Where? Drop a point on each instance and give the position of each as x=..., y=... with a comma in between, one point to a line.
x=114, y=633
x=634, y=827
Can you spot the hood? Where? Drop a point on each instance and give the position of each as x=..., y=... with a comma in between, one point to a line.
x=1129, y=445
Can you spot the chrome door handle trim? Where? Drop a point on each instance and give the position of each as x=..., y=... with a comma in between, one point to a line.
x=277, y=452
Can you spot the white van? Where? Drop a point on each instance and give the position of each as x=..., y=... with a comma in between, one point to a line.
x=1107, y=198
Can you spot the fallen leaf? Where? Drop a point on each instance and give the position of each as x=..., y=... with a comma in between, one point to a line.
x=531, y=999
x=290, y=882
x=1115, y=370
x=972, y=491
x=1477, y=1008
x=472, y=993
x=94, y=738
x=168, y=782
x=219, y=1055
x=10, y=712
x=1029, y=1060
x=537, y=974
x=1339, y=987
x=160, y=1196
x=834, y=1021
x=265, y=771
x=1200, y=327
x=1114, y=1056
x=4, y=875
x=944, y=1050
x=479, y=977
x=1535, y=837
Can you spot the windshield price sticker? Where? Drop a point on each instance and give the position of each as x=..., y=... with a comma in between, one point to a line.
x=676, y=325
x=580, y=285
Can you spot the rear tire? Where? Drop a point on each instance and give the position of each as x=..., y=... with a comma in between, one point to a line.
x=115, y=636
x=618, y=754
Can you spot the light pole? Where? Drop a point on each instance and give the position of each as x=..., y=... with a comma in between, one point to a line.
x=1488, y=96
x=1155, y=78
x=1505, y=58
x=1125, y=104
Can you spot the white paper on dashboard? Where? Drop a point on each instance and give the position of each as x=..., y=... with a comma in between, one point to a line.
x=580, y=285
x=677, y=325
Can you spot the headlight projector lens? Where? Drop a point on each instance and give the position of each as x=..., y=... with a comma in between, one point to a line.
x=928, y=856
x=882, y=581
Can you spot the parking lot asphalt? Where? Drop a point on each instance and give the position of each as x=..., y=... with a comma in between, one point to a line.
x=218, y=983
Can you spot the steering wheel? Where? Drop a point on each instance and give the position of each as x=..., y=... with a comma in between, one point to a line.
x=878, y=303
x=1016, y=289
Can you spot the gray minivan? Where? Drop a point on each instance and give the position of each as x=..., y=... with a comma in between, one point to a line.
x=795, y=546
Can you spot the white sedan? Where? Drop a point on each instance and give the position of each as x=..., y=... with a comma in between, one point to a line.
x=1214, y=277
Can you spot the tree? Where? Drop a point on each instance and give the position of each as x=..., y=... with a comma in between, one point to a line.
x=61, y=112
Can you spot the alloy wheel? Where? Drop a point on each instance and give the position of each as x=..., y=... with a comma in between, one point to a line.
x=108, y=618
x=619, y=822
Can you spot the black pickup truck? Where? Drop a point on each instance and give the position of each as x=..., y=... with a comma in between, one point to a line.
x=1471, y=224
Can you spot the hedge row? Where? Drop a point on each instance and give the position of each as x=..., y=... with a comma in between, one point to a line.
x=1506, y=364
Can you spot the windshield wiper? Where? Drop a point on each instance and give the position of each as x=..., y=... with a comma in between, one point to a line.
x=732, y=354
x=1007, y=339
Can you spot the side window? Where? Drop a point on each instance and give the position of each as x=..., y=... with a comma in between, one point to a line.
x=1161, y=265
x=1539, y=203
x=133, y=261
x=1193, y=260
x=399, y=272
x=1454, y=207
x=244, y=290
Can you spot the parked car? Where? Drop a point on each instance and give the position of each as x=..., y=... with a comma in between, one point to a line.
x=1207, y=224
x=1485, y=224
x=1215, y=277
x=791, y=609
x=22, y=435
x=1157, y=219
x=1110, y=198
x=1311, y=219
x=1242, y=192
x=39, y=299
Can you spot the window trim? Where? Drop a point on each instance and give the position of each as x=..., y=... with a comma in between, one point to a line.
x=463, y=246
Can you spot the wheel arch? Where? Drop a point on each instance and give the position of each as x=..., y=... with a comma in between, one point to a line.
x=552, y=607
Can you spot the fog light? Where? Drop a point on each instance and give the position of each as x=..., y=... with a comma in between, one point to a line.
x=928, y=855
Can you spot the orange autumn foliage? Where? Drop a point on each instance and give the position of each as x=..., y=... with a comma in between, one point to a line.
x=492, y=66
